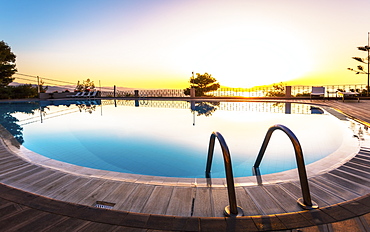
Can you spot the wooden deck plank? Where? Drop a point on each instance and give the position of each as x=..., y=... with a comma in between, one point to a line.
x=357, y=167
x=348, y=225
x=344, y=183
x=363, y=156
x=18, y=171
x=84, y=191
x=36, y=185
x=10, y=159
x=220, y=199
x=59, y=183
x=63, y=192
x=42, y=223
x=120, y=194
x=360, y=161
x=351, y=177
x=11, y=168
x=4, y=153
x=365, y=151
x=37, y=176
x=246, y=203
x=22, y=175
x=295, y=191
x=263, y=200
x=19, y=219
x=362, y=174
x=137, y=199
x=94, y=226
x=159, y=200
x=10, y=209
x=334, y=188
x=100, y=192
x=327, y=196
x=203, y=202
x=185, y=195
x=71, y=224
x=286, y=201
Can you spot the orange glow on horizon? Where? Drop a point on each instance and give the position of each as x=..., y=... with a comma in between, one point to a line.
x=157, y=45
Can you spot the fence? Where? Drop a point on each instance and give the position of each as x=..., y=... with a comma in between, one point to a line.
x=296, y=91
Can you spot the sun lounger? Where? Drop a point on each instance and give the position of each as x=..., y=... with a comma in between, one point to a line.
x=83, y=94
x=94, y=94
x=349, y=95
x=87, y=94
x=91, y=94
x=317, y=91
x=75, y=95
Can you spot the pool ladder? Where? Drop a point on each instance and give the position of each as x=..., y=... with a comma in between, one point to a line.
x=232, y=209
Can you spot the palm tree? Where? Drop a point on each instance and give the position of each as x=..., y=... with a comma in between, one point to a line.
x=360, y=69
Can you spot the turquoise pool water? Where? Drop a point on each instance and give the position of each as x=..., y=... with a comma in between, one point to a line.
x=170, y=138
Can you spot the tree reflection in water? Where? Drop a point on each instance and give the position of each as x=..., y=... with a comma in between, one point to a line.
x=11, y=123
x=205, y=108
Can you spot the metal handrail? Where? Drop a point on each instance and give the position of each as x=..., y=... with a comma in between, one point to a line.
x=306, y=201
x=232, y=209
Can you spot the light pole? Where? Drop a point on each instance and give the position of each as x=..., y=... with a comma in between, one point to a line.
x=368, y=61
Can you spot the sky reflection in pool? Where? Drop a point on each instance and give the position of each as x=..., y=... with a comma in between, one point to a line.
x=159, y=138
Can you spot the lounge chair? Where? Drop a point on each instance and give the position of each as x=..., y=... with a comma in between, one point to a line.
x=349, y=95
x=83, y=94
x=87, y=94
x=317, y=91
x=91, y=94
x=75, y=95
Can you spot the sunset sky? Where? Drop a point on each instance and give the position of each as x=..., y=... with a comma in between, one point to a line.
x=159, y=43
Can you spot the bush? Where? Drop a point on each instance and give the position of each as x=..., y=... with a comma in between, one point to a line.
x=304, y=94
x=17, y=92
x=278, y=90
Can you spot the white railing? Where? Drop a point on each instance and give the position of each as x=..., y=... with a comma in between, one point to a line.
x=255, y=92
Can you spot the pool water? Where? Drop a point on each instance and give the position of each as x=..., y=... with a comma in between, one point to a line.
x=170, y=138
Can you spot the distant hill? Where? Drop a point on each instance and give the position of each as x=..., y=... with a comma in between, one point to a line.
x=71, y=88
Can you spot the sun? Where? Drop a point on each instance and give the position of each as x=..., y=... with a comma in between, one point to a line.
x=255, y=59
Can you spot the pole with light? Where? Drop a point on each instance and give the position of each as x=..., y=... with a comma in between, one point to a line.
x=368, y=61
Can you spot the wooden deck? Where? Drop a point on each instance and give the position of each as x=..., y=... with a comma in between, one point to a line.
x=267, y=206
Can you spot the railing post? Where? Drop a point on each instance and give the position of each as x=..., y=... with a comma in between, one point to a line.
x=192, y=92
x=232, y=209
x=306, y=201
x=288, y=91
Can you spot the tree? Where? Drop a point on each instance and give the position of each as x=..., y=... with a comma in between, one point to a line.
x=361, y=69
x=202, y=84
x=87, y=85
x=7, y=64
x=278, y=90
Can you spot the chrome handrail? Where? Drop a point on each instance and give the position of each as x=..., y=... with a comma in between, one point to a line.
x=306, y=201
x=232, y=209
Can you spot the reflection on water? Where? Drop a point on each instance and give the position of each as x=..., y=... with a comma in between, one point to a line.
x=161, y=137
x=11, y=123
x=204, y=108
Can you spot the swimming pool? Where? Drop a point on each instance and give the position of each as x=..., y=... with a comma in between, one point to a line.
x=170, y=138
